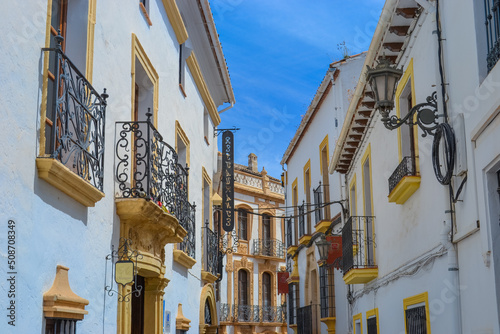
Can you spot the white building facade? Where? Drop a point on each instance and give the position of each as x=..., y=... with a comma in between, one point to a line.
x=420, y=254
x=84, y=173
x=312, y=201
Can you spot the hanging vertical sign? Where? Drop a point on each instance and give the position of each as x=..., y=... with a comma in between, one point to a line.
x=227, y=181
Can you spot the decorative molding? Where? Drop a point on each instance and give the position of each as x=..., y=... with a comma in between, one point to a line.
x=175, y=18
x=181, y=322
x=183, y=259
x=201, y=84
x=243, y=264
x=61, y=177
x=60, y=301
x=268, y=267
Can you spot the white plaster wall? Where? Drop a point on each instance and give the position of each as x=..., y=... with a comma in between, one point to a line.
x=54, y=229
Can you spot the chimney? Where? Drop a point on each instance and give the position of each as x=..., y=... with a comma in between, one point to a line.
x=252, y=162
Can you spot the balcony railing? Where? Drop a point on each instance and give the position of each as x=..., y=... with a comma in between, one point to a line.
x=187, y=220
x=289, y=235
x=147, y=167
x=358, y=246
x=75, y=120
x=302, y=224
x=405, y=168
x=492, y=22
x=252, y=313
x=211, y=243
x=268, y=247
x=318, y=202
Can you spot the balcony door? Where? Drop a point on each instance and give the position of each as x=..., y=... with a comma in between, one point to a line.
x=266, y=297
x=244, y=310
x=266, y=235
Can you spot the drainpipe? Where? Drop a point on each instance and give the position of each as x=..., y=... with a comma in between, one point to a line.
x=227, y=108
x=453, y=276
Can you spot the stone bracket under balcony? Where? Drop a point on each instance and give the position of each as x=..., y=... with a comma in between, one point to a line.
x=208, y=277
x=323, y=226
x=291, y=250
x=150, y=229
x=405, y=188
x=183, y=259
x=360, y=275
x=305, y=239
x=330, y=324
x=64, y=179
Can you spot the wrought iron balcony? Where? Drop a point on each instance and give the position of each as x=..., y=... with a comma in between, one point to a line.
x=211, y=251
x=492, y=22
x=75, y=123
x=268, y=247
x=307, y=319
x=147, y=167
x=187, y=220
x=405, y=168
x=358, y=246
x=252, y=313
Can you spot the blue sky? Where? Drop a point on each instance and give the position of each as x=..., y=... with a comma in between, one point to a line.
x=277, y=52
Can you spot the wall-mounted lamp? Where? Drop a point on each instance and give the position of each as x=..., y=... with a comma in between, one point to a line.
x=383, y=79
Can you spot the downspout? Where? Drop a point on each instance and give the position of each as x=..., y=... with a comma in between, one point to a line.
x=227, y=108
x=453, y=276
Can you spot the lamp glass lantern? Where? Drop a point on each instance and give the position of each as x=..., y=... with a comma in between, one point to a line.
x=323, y=248
x=383, y=79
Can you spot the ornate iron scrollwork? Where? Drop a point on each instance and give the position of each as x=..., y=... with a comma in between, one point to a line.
x=124, y=253
x=224, y=242
x=426, y=117
x=79, y=114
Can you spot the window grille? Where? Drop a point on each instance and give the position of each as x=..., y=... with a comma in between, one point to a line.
x=492, y=22
x=372, y=325
x=416, y=320
x=60, y=326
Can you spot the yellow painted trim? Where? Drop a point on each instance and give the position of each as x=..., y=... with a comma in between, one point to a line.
x=207, y=178
x=405, y=188
x=64, y=179
x=294, y=185
x=322, y=145
x=372, y=313
x=351, y=185
x=89, y=67
x=201, y=84
x=207, y=294
x=417, y=299
x=175, y=18
x=407, y=76
x=367, y=156
x=139, y=53
x=307, y=167
x=360, y=275
x=359, y=317
x=304, y=240
x=330, y=324
x=291, y=250
x=180, y=133
x=322, y=226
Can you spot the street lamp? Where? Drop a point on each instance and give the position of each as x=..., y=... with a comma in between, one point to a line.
x=383, y=79
x=323, y=248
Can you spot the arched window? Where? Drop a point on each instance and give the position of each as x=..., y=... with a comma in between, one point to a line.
x=242, y=224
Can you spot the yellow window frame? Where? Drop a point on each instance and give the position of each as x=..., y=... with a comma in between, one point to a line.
x=355, y=318
x=370, y=314
x=418, y=299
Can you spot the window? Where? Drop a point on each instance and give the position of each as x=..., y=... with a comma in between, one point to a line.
x=144, y=6
x=357, y=325
x=242, y=224
x=372, y=321
x=417, y=314
x=407, y=133
x=323, y=155
x=267, y=312
x=60, y=326
x=367, y=206
x=307, y=191
x=242, y=287
x=327, y=291
x=207, y=200
x=492, y=13
x=352, y=197
x=206, y=126
x=182, y=68
x=292, y=306
x=295, y=209
x=266, y=228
